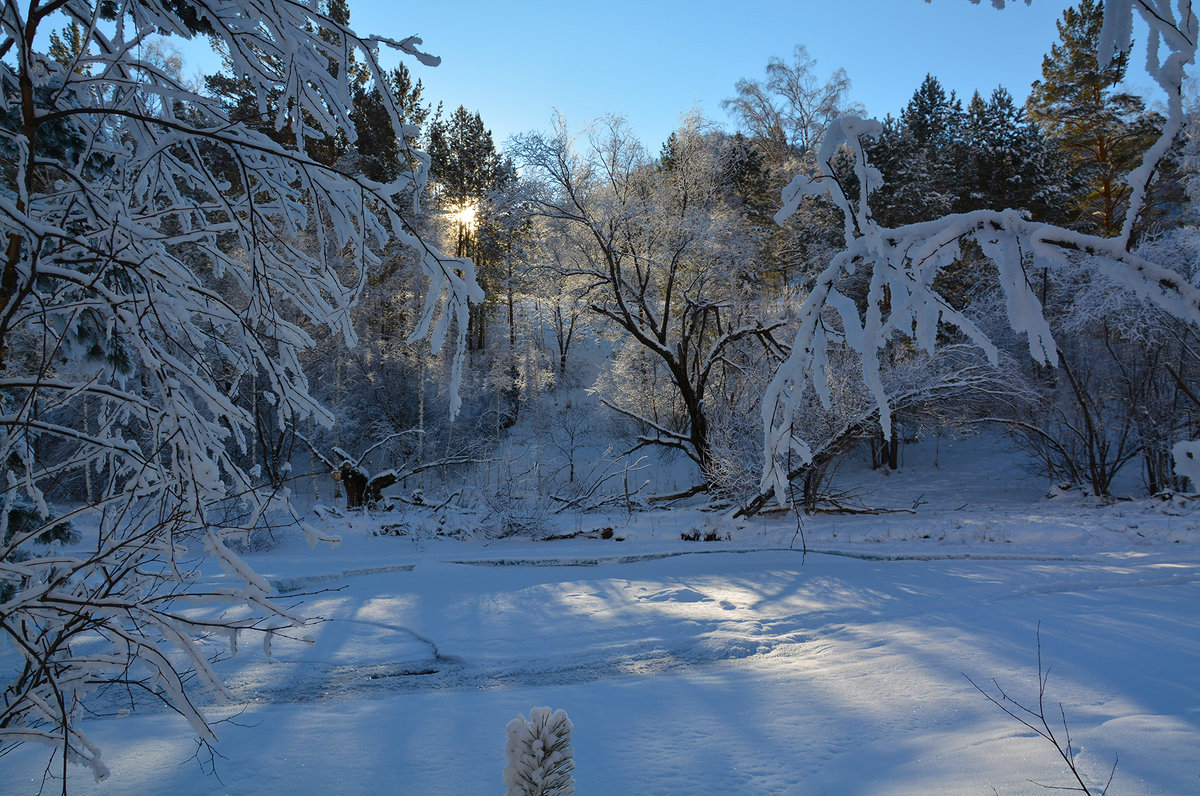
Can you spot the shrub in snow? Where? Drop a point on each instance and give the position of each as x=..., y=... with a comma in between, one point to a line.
x=540, y=759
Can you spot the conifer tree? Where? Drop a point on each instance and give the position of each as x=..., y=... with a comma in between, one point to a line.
x=69, y=46
x=933, y=117
x=1100, y=130
x=1010, y=163
x=468, y=171
x=381, y=156
x=920, y=154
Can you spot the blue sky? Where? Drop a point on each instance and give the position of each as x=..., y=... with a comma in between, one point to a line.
x=653, y=60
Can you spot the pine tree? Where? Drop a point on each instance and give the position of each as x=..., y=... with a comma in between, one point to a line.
x=921, y=156
x=1010, y=163
x=464, y=160
x=743, y=178
x=938, y=158
x=467, y=170
x=909, y=192
x=933, y=117
x=379, y=147
x=72, y=44
x=1100, y=130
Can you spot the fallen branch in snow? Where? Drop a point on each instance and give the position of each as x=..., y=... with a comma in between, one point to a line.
x=1038, y=721
x=684, y=495
x=588, y=496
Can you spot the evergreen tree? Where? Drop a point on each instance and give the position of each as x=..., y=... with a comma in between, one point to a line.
x=464, y=160
x=667, y=157
x=379, y=147
x=72, y=44
x=910, y=191
x=1100, y=130
x=938, y=158
x=921, y=156
x=467, y=172
x=743, y=178
x=1010, y=163
x=933, y=117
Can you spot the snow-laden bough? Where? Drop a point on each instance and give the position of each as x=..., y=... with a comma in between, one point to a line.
x=903, y=263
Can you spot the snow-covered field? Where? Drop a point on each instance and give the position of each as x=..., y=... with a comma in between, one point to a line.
x=736, y=666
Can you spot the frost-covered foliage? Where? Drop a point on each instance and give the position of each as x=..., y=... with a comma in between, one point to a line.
x=159, y=255
x=540, y=758
x=902, y=264
x=665, y=254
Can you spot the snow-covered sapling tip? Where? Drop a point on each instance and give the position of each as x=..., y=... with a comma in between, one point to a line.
x=540, y=758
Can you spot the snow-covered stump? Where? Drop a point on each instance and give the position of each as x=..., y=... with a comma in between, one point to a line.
x=540, y=758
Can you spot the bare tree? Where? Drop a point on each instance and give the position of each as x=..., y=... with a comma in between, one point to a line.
x=665, y=263
x=790, y=111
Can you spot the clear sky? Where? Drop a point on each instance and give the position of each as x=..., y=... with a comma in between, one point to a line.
x=651, y=60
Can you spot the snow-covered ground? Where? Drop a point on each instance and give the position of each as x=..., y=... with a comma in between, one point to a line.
x=736, y=666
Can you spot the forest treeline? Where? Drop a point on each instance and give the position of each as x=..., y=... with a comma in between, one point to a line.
x=670, y=261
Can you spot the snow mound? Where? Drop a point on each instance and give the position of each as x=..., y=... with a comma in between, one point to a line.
x=677, y=595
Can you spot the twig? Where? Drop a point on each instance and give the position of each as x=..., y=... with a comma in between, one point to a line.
x=1037, y=721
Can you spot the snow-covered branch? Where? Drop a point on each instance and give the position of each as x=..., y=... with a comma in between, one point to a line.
x=163, y=258
x=903, y=298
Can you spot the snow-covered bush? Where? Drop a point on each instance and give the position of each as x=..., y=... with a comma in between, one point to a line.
x=540, y=758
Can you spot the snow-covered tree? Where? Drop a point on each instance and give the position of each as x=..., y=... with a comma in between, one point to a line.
x=160, y=255
x=665, y=258
x=902, y=264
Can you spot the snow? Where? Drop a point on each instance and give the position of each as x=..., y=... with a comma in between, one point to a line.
x=738, y=666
